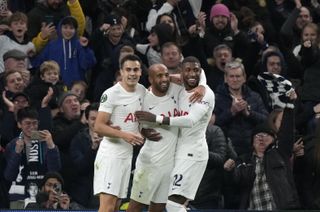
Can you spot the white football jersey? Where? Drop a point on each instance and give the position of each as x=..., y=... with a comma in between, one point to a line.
x=192, y=143
x=161, y=152
x=122, y=105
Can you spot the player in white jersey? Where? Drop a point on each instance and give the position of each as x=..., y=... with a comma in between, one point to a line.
x=192, y=151
x=156, y=159
x=113, y=161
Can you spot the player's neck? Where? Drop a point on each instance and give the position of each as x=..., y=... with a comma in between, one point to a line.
x=157, y=93
x=127, y=87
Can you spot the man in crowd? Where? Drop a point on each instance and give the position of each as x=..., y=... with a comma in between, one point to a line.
x=238, y=109
x=83, y=150
x=66, y=125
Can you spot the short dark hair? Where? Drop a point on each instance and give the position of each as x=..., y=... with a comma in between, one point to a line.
x=169, y=44
x=190, y=59
x=54, y=175
x=130, y=57
x=71, y=21
x=92, y=107
x=27, y=112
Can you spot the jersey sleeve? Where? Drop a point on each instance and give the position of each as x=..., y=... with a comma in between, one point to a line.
x=203, y=78
x=196, y=112
x=106, y=102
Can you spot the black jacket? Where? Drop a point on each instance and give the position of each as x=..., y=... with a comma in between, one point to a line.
x=277, y=167
x=209, y=191
x=83, y=156
x=63, y=132
x=239, y=127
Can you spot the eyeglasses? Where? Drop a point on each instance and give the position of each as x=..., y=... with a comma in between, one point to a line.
x=261, y=135
x=30, y=123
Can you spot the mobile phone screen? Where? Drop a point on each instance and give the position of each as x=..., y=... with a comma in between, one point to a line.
x=35, y=135
x=49, y=19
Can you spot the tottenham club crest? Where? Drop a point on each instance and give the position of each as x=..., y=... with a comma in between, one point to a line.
x=103, y=98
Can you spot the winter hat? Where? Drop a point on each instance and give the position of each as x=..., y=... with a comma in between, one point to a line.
x=112, y=20
x=263, y=128
x=65, y=95
x=219, y=9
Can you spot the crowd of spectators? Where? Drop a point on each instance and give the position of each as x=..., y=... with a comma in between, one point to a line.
x=260, y=57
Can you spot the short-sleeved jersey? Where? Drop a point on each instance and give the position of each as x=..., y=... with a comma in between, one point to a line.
x=161, y=152
x=122, y=106
x=192, y=143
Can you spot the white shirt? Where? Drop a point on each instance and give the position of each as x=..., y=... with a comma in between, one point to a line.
x=122, y=106
x=192, y=143
x=161, y=152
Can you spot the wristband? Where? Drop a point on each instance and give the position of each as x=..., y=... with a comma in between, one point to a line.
x=159, y=119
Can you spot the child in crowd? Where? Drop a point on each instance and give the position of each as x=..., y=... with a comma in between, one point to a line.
x=49, y=77
x=16, y=37
x=80, y=88
x=70, y=52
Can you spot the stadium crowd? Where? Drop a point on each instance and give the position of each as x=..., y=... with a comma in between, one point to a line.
x=66, y=63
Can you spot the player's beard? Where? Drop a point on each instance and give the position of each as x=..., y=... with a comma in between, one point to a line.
x=162, y=88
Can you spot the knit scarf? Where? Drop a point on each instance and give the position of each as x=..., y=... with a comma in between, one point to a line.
x=278, y=89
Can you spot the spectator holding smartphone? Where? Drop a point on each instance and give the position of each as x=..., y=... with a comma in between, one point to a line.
x=28, y=158
x=52, y=195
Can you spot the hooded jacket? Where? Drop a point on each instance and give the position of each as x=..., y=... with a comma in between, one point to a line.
x=74, y=60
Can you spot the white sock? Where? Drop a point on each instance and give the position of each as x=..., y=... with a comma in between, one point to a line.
x=175, y=207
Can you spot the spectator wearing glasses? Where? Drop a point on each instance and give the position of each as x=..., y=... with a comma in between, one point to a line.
x=29, y=156
x=265, y=175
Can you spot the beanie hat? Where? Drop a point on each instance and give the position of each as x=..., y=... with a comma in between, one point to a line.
x=65, y=95
x=112, y=20
x=219, y=9
x=263, y=128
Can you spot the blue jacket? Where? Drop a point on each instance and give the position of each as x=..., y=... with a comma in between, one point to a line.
x=74, y=60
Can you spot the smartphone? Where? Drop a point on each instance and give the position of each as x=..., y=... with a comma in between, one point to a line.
x=35, y=135
x=3, y=6
x=57, y=188
x=49, y=19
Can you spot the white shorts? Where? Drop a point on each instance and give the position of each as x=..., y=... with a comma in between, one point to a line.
x=111, y=175
x=186, y=177
x=151, y=183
